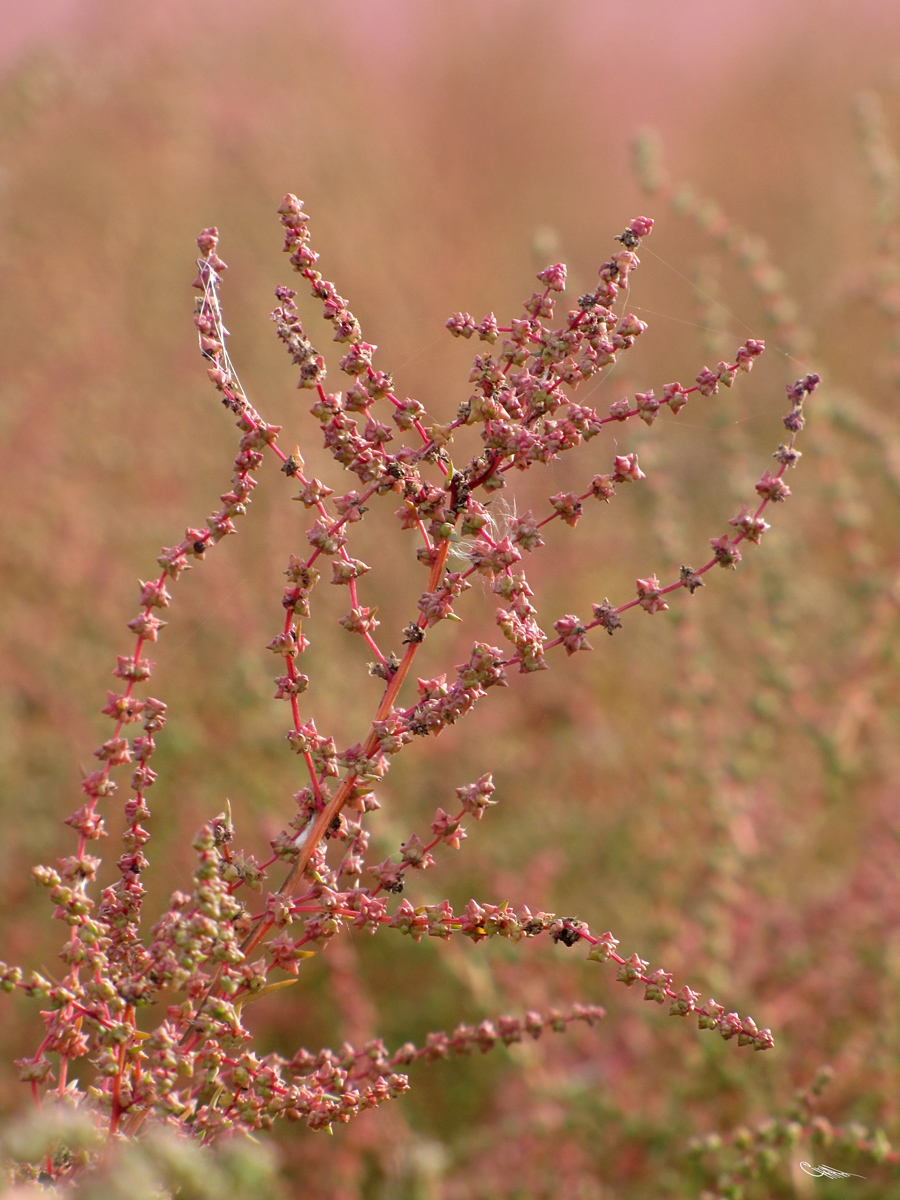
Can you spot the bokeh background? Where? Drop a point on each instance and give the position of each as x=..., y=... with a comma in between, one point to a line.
x=717, y=785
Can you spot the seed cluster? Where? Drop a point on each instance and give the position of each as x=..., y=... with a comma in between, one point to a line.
x=213, y=949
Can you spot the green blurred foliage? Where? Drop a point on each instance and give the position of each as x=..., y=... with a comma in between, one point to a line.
x=159, y=1166
x=718, y=786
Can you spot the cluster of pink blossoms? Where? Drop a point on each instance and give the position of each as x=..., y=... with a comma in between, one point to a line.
x=213, y=949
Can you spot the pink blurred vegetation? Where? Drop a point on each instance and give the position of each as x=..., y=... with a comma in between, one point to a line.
x=717, y=783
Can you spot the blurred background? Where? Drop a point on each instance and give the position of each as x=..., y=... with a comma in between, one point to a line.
x=719, y=785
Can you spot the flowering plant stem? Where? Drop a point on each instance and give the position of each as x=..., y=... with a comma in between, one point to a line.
x=208, y=954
